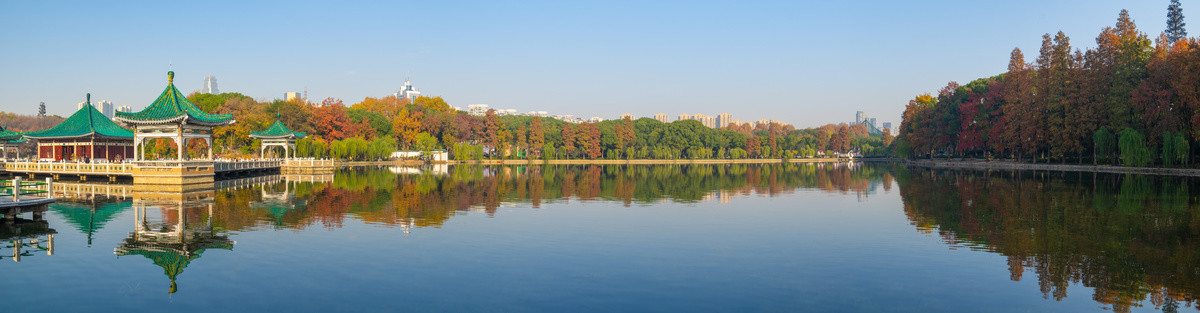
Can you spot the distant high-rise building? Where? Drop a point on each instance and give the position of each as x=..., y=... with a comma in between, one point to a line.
x=104, y=106
x=210, y=85
x=125, y=108
x=887, y=125
x=871, y=121
x=595, y=119
x=289, y=96
x=706, y=120
x=407, y=92
x=627, y=116
x=724, y=119
x=662, y=118
x=684, y=117
x=859, y=117
x=477, y=109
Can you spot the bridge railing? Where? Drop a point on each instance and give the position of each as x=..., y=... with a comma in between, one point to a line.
x=238, y=165
x=16, y=190
x=69, y=167
x=309, y=162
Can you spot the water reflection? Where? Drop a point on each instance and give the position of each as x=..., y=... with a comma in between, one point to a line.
x=1132, y=238
x=428, y=197
x=1135, y=240
x=182, y=234
x=24, y=237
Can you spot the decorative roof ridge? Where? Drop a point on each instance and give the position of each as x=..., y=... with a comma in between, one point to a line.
x=172, y=106
x=76, y=125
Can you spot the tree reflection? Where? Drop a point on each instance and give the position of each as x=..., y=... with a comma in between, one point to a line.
x=1130, y=237
x=429, y=199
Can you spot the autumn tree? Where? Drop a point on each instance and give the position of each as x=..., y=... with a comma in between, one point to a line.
x=537, y=137
x=569, y=134
x=625, y=134
x=772, y=139
x=331, y=120
x=493, y=131
x=593, y=140
x=406, y=127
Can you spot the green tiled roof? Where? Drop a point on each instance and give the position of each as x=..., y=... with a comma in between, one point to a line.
x=277, y=130
x=85, y=122
x=6, y=134
x=172, y=107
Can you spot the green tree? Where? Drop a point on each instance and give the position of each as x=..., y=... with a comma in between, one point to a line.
x=1175, y=24
x=1105, y=145
x=1133, y=148
x=425, y=143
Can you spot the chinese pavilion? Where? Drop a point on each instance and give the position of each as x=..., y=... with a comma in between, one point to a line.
x=85, y=135
x=172, y=116
x=9, y=141
x=278, y=135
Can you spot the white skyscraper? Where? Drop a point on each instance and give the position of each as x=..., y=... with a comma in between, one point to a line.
x=407, y=92
x=210, y=85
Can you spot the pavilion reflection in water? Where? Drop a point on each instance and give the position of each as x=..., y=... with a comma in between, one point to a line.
x=175, y=240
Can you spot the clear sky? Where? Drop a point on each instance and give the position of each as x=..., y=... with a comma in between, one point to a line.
x=803, y=62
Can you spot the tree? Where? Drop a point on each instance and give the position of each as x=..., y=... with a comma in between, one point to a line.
x=332, y=120
x=1133, y=149
x=887, y=137
x=537, y=137
x=772, y=140
x=425, y=143
x=41, y=109
x=1175, y=24
x=1105, y=144
x=405, y=127
x=568, y=139
x=493, y=132
x=593, y=140
x=625, y=134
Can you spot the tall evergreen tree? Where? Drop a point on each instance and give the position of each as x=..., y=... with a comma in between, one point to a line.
x=41, y=109
x=1175, y=24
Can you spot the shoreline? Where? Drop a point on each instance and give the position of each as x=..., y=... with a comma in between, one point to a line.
x=595, y=162
x=1013, y=165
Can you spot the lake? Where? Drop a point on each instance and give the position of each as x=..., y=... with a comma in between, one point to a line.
x=640, y=238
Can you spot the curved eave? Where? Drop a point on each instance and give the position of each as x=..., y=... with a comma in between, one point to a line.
x=174, y=120
x=91, y=134
x=291, y=136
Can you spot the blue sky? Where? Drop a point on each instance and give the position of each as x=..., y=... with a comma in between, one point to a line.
x=805, y=63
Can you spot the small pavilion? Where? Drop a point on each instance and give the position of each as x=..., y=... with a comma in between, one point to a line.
x=278, y=135
x=172, y=116
x=9, y=141
x=85, y=135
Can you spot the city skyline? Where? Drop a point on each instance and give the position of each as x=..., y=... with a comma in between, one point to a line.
x=586, y=58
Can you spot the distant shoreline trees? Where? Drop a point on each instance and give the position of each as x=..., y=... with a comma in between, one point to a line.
x=1121, y=102
x=373, y=128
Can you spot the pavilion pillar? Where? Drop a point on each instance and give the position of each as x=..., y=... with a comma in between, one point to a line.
x=208, y=142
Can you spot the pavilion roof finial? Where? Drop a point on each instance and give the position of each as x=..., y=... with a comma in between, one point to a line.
x=171, y=77
x=89, y=97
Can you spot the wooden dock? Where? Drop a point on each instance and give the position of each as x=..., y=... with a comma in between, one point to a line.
x=18, y=197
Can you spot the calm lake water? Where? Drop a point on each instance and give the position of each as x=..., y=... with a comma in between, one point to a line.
x=729, y=238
